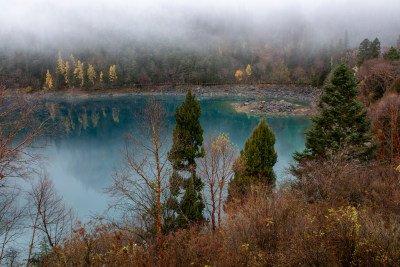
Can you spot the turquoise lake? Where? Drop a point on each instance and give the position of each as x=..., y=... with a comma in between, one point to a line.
x=83, y=156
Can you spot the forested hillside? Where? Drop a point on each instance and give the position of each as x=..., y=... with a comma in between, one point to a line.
x=136, y=64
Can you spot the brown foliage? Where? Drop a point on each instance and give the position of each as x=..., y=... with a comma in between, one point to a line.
x=96, y=244
x=351, y=183
x=385, y=116
x=193, y=247
x=375, y=77
x=339, y=213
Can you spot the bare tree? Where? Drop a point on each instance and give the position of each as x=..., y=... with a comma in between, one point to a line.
x=48, y=213
x=140, y=186
x=11, y=218
x=216, y=171
x=19, y=129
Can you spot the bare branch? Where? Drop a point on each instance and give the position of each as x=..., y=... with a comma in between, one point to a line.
x=140, y=185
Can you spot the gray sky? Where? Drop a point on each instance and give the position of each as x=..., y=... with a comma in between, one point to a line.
x=85, y=21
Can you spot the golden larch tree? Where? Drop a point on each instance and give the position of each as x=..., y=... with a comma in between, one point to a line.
x=248, y=70
x=78, y=72
x=112, y=74
x=49, y=80
x=91, y=73
x=60, y=65
x=239, y=75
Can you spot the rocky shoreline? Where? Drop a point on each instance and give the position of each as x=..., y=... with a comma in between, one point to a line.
x=295, y=93
x=298, y=93
x=275, y=107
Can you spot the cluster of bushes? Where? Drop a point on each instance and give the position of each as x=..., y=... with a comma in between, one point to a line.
x=347, y=216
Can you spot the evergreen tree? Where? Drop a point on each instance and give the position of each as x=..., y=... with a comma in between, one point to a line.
x=60, y=72
x=71, y=65
x=256, y=161
x=392, y=54
x=375, y=48
x=186, y=147
x=342, y=123
x=364, y=51
x=67, y=76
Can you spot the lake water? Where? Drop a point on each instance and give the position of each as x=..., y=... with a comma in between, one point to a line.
x=83, y=157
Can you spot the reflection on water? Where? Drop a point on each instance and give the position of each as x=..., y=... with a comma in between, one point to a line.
x=83, y=157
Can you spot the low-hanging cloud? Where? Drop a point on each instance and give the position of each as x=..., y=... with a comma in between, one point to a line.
x=87, y=22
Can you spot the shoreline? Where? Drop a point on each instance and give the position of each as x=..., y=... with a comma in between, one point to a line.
x=295, y=93
x=279, y=105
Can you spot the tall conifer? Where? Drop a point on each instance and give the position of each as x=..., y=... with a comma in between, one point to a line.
x=186, y=147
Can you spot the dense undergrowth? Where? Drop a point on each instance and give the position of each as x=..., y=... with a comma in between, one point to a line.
x=346, y=215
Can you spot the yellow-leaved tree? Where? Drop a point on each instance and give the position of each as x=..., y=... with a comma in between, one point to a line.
x=78, y=73
x=248, y=70
x=91, y=73
x=112, y=74
x=101, y=76
x=239, y=75
x=60, y=65
x=49, y=80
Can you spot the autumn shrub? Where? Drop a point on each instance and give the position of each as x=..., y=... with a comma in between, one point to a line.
x=345, y=236
x=256, y=228
x=385, y=116
x=379, y=242
x=352, y=210
x=381, y=189
x=375, y=78
x=194, y=247
x=343, y=213
x=282, y=229
x=329, y=178
x=395, y=87
x=99, y=244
